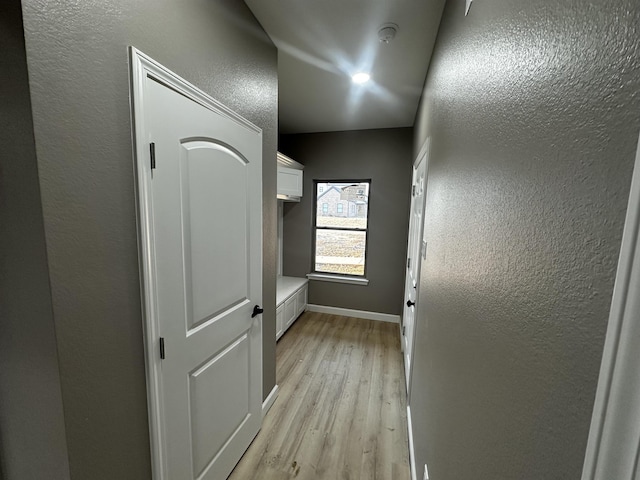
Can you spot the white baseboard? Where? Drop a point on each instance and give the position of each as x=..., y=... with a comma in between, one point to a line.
x=268, y=402
x=347, y=312
x=412, y=453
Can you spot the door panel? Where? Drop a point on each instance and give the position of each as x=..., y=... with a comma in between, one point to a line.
x=214, y=186
x=209, y=432
x=206, y=249
x=289, y=311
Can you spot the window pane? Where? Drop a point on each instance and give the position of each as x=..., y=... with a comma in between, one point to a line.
x=339, y=251
x=342, y=204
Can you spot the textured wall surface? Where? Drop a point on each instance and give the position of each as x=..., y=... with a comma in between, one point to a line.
x=32, y=435
x=533, y=110
x=77, y=58
x=385, y=157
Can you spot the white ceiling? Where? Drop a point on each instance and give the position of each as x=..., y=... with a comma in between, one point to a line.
x=321, y=43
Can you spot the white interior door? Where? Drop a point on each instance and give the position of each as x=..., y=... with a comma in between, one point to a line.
x=202, y=188
x=418, y=189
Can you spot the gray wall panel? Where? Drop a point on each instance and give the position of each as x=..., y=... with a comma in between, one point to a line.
x=385, y=157
x=533, y=113
x=32, y=433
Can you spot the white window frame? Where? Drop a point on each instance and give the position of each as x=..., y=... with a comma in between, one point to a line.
x=330, y=276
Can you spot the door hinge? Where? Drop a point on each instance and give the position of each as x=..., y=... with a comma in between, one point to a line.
x=152, y=149
x=409, y=262
x=162, y=348
x=403, y=330
x=413, y=190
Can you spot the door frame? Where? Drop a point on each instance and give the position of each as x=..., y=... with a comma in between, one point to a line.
x=142, y=67
x=424, y=152
x=613, y=448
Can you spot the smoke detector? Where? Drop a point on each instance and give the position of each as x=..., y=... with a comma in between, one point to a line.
x=387, y=32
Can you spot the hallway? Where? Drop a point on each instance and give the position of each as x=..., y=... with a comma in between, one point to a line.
x=341, y=409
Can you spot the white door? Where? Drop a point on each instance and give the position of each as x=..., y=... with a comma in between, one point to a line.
x=414, y=247
x=203, y=194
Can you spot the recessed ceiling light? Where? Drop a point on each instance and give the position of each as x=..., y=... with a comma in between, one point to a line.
x=360, y=77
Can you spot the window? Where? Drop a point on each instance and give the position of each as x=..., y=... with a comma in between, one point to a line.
x=340, y=237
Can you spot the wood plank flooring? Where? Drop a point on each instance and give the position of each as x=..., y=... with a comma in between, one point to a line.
x=341, y=408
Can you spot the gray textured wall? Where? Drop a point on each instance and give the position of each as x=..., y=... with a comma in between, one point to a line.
x=385, y=157
x=77, y=58
x=533, y=111
x=32, y=435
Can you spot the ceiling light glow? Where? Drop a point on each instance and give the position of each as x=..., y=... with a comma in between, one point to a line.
x=361, y=77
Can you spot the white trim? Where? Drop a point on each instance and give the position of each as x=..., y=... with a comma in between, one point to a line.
x=412, y=452
x=289, y=162
x=269, y=401
x=423, y=151
x=142, y=67
x=614, y=438
x=347, y=312
x=337, y=278
x=467, y=7
x=280, y=238
x=288, y=198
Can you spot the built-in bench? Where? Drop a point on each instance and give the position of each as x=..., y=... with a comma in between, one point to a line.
x=291, y=301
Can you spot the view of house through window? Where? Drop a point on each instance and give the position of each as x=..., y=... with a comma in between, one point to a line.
x=342, y=209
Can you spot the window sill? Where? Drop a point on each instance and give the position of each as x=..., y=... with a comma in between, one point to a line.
x=327, y=277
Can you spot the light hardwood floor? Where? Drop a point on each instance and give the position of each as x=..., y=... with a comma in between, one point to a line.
x=341, y=409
